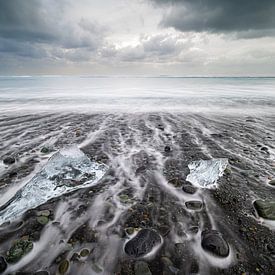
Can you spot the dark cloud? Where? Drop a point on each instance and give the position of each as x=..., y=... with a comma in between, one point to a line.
x=38, y=29
x=220, y=16
x=27, y=20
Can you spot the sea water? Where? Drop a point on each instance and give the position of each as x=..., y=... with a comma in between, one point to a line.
x=30, y=94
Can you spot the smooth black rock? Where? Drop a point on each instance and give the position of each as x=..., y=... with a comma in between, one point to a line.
x=3, y=264
x=142, y=243
x=265, y=209
x=9, y=160
x=167, y=149
x=264, y=149
x=189, y=189
x=212, y=241
x=194, y=205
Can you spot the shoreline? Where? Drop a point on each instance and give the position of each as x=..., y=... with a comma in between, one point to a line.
x=144, y=172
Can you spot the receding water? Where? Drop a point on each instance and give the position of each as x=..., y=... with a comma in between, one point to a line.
x=136, y=94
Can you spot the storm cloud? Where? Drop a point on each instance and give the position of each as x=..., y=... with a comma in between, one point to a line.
x=248, y=17
x=187, y=37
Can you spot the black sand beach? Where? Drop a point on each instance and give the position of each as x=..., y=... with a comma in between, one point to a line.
x=173, y=227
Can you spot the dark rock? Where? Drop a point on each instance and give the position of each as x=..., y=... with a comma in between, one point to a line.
x=129, y=230
x=213, y=242
x=142, y=268
x=175, y=182
x=142, y=243
x=19, y=249
x=42, y=220
x=84, y=252
x=265, y=209
x=194, y=205
x=9, y=160
x=167, y=149
x=63, y=267
x=189, y=189
x=272, y=182
x=3, y=264
x=45, y=150
x=265, y=149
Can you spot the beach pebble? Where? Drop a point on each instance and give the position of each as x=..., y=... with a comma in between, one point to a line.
x=189, y=189
x=45, y=213
x=9, y=160
x=194, y=205
x=63, y=267
x=84, y=252
x=213, y=242
x=42, y=220
x=45, y=150
x=167, y=149
x=142, y=243
x=175, y=182
x=142, y=268
x=3, y=264
x=265, y=209
x=19, y=249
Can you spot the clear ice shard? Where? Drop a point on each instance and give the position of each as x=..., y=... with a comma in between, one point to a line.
x=205, y=173
x=67, y=170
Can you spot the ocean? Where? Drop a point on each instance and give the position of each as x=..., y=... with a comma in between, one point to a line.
x=137, y=94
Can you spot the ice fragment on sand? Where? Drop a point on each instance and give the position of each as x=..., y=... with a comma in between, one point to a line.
x=67, y=170
x=205, y=173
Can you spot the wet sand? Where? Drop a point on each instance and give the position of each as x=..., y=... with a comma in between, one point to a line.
x=86, y=231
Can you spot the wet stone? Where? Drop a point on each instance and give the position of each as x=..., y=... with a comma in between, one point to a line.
x=45, y=213
x=142, y=243
x=19, y=249
x=175, y=182
x=9, y=160
x=63, y=267
x=213, y=242
x=45, y=150
x=3, y=264
x=194, y=205
x=84, y=252
x=42, y=220
x=167, y=149
x=129, y=230
x=189, y=189
x=142, y=268
x=265, y=209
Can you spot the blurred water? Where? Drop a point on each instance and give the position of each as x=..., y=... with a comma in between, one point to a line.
x=136, y=94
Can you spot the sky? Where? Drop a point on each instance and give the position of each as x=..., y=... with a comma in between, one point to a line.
x=138, y=37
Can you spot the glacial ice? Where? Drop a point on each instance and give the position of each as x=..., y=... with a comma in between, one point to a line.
x=67, y=170
x=205, y=173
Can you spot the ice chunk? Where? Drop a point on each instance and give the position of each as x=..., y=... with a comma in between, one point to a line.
x=66, y=171
x=205, y=173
